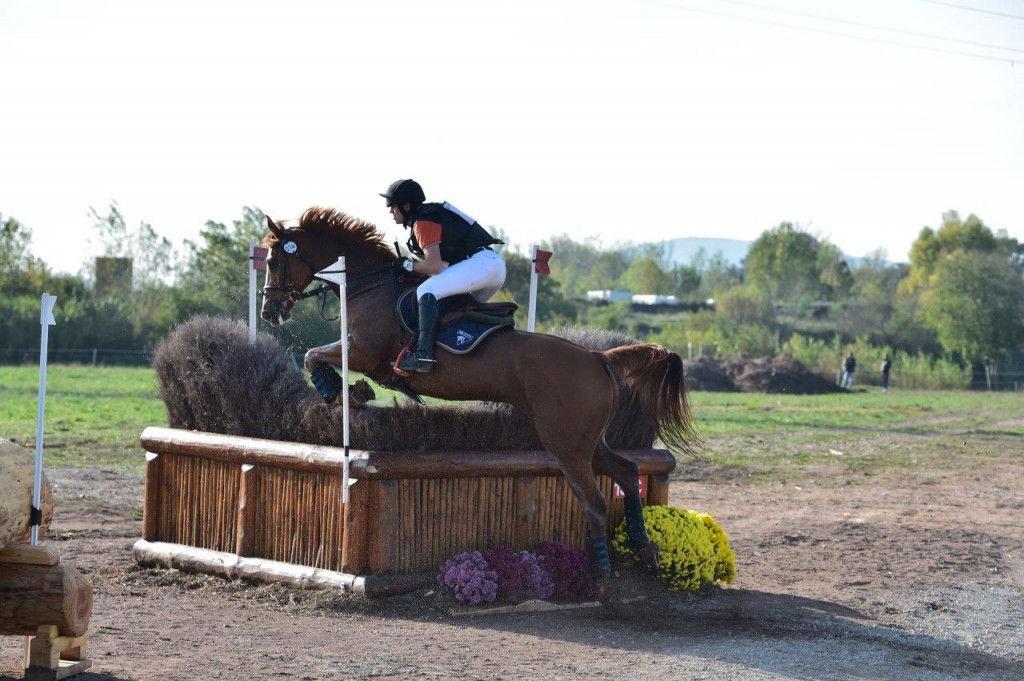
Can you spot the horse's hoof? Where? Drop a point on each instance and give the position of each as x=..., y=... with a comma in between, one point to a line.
x=650, y=556
x=360, y=393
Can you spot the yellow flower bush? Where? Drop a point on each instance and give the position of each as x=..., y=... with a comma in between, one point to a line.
x=725, y=559
x=694, y=549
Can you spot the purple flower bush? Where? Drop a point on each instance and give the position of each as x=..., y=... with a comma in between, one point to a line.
x=521, y=576
x=568, y=567
x=469, y=579
x=553, y=571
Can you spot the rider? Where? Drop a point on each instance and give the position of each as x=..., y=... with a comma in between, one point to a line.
x=454, y=252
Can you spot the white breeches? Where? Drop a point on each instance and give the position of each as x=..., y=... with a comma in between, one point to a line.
x=480, y=275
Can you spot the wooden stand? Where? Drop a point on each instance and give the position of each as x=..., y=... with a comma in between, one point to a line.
x=54, y=657
x=50, y=655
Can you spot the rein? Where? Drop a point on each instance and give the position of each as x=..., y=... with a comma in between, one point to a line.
x=320, y=291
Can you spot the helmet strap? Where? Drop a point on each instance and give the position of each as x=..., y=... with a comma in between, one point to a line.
x=407, y=214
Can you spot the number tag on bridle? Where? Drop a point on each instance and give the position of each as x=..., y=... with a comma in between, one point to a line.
x=290, y=247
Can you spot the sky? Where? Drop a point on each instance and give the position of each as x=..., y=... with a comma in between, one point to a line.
x=620, y=120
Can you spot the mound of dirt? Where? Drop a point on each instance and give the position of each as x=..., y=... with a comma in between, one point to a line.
x=777, y=374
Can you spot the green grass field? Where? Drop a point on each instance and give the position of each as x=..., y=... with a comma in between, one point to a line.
x=94, y=416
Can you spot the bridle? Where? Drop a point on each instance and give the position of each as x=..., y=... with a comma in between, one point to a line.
x=295, y=295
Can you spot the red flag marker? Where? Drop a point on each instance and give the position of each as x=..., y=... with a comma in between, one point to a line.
x=259, y=258
x=540, y=264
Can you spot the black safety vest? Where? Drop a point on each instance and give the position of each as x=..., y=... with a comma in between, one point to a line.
x=460, y=237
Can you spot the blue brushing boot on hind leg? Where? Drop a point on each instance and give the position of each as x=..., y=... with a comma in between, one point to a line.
x=639, y=541
x=636, y=531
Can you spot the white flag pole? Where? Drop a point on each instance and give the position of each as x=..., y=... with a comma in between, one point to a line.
x=344, y=375
x=336, y=275
x=45, y=320
x=531, y=320
x=252, y=292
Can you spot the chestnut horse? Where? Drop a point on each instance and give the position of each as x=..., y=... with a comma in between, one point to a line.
x=569, y=392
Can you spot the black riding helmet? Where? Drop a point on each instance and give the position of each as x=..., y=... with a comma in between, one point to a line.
x=401, y=191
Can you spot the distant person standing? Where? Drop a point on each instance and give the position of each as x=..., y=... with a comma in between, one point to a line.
x=886, y=368
x=849, y=367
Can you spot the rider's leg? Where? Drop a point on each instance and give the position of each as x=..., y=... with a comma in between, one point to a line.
x=481, y=276
x=422, y=360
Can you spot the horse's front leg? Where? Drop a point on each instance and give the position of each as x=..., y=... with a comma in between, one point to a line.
x=325, y=354
x=320, y=363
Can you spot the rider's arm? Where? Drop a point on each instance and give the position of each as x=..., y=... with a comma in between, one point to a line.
x=428, y=234
x=431, y=263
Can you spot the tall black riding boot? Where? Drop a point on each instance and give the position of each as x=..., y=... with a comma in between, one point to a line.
x=422, y=361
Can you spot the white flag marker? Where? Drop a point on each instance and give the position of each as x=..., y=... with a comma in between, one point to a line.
x=45, y=321
x=336, y=275
x=257, y=261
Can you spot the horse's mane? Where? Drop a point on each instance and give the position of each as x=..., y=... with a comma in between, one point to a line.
x=352, y=232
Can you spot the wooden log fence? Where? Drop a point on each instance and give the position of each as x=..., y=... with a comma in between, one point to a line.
x=264, y=509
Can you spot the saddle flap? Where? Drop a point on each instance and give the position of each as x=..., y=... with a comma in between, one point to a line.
x=463, y=321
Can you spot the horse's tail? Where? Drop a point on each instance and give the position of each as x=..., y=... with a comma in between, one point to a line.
x=655, y=376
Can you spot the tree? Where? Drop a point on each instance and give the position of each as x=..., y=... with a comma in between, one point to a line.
x=716, y=274
x=783, y=262
x=684, y=281
x=645, y=274
x=976, y=305
x=953, y=236
x=215, y=276
x=746, y=306
x=790, y=264
x=835, y=275
x=20, y=271
x=581, y=267
x=153, y=257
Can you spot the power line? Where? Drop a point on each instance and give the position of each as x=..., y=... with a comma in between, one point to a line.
x=975, y=9
x=870, y=26
x=852, y=36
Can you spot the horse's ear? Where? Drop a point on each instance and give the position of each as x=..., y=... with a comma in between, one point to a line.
x=272, y=226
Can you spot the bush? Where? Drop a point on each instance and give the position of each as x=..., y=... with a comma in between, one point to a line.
x=725, y=559
x=520, y=575
x=568, y=568
x=694, y=549
x=553, y=571
x=469, y=579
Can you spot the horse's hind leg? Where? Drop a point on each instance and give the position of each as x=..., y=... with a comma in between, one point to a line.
x=580, y=476
x=572, y=444
x=627, y=474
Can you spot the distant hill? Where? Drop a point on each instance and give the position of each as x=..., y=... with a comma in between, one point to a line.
x=682, y=250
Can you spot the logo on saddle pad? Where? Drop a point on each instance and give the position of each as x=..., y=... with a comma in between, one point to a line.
x=463, y=337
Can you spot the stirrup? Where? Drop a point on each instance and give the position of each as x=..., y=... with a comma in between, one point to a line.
x=414, y=363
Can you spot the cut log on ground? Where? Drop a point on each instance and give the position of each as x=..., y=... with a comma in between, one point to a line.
x=32, y=595
x=30, y=555
x=17, y=477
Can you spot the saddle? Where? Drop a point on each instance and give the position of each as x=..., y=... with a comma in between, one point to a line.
x=463, y=321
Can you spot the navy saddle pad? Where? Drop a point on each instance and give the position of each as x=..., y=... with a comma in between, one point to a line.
x=461, y=329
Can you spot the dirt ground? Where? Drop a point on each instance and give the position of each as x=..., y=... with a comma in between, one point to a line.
x=842, y=575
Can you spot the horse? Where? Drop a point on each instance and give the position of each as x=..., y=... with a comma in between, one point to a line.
x=570, y=393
